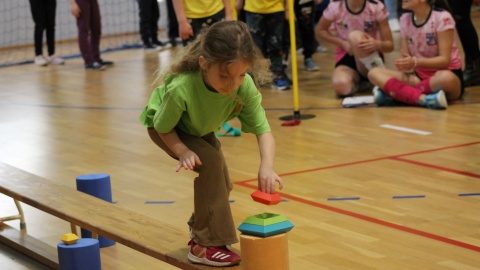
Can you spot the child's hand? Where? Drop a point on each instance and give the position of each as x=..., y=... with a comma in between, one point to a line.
x=406, y=63
x=185, y=30
x=368, y=44
x=266, y=180
x=75, y=10
x=188, y=160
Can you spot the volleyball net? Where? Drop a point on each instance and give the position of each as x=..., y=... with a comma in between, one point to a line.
x=119, y=29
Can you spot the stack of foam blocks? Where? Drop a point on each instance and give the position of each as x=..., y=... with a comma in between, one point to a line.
x=264, y=242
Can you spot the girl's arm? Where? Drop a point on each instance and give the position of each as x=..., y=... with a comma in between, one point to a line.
x=322, y=31
x=445, y=43
x=406, y=63
x=186, y=157
x=228, y=10
x=287, y=9
x=75, y=8
x=184, y=28
x=386, y=43
x=239, y=5
x=266, y=175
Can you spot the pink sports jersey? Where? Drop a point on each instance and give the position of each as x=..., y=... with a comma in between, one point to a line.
x=422, y=39
x=345, y=21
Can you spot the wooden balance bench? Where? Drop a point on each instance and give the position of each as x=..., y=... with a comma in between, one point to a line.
x=139, y=232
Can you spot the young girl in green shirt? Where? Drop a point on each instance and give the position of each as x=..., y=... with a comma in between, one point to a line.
x=205, y=88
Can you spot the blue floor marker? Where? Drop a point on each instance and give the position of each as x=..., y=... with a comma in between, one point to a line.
x=409, y=197
x=468, y=194
x=159, y=202
x=344, y=199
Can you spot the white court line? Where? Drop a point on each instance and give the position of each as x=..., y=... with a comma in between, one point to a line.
x=406, y=129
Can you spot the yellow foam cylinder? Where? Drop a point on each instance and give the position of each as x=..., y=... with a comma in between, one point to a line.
x=264, y=253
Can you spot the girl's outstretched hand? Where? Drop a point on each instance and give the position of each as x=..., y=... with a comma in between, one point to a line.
x=188, y=160
x=267, y=179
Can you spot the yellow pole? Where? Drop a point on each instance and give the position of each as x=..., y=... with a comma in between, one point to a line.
x=293, y=53
x=293, y=120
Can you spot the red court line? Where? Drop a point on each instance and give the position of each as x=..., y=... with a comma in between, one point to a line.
x=474, y=175
x=437, y=149
x=374, y=159
x=245, y=183
x=372, y=220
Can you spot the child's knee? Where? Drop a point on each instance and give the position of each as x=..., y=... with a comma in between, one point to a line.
x=343, y=87
x=355, y=37
x=211, y=160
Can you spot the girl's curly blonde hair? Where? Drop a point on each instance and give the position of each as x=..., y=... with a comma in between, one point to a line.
x=222, y=43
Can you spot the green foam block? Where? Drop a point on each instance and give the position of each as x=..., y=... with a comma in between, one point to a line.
x=265, y=219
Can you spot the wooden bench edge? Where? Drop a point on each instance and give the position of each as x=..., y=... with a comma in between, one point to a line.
x=30, y=246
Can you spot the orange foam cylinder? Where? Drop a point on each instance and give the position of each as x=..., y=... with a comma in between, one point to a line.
x=264, y=253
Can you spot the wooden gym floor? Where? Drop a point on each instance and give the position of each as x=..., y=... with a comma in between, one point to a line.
x=361, y=194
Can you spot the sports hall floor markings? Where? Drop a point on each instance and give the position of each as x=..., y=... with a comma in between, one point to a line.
x=474, y=175
x=344, y=199
x=159, y=202
x=141, y=108
x=247, y=184
x=409, y=197
x=404, y=129
x=468, y=194
x=170, y=202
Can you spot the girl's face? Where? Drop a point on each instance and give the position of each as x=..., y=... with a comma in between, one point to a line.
x=411, y=4
x=222, y=77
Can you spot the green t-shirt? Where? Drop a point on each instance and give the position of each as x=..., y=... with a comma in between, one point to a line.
x=184, y=101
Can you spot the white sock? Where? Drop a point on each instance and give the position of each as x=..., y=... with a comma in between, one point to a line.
x=373, y=60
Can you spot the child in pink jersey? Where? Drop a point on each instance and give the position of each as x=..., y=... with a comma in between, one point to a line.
x=430, y=69
x=360, y=30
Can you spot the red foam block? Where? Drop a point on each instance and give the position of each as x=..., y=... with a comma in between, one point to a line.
x=290, y=123
x=265, y=198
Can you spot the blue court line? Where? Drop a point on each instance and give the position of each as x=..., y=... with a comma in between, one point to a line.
x=76, y=55
x=408, y=197
x=139, y=108
x=468, y=194
x=344, y=199
x=72, y=107
x=159, y=202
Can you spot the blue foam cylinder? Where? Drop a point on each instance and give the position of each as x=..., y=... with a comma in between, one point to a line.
x=97, y=185
x=85, y=254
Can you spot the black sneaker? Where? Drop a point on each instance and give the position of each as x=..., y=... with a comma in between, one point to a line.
x=150, y=48
x=95, y=66
x=105, y=63
x=173, y=42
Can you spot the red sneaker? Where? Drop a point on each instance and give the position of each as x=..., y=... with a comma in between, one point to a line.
x=213, y=256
